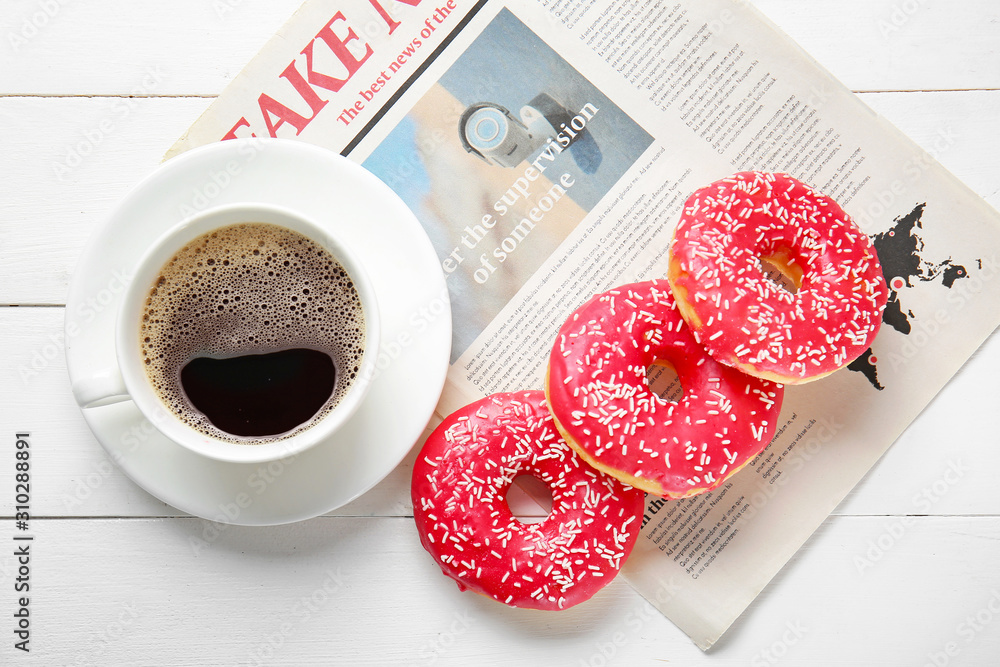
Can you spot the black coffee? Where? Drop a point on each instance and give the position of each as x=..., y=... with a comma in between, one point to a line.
x=259, y=395
x=236, y=303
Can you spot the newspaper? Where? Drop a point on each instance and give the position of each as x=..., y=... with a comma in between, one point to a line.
x=630, y=106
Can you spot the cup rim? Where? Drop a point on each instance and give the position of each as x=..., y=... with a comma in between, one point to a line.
x=127, y=339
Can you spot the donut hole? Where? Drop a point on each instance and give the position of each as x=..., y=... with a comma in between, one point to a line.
x=529, y=499
x=781, y=269
x=662, y=380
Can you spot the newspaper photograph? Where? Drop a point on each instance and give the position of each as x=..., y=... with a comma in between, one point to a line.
x=579, y=144
x=548, y=147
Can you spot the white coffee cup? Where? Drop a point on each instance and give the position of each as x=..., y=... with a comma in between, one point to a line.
x=128, y=380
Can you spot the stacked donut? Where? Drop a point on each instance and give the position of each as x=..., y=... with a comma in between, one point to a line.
x=599, y=435
x=604, y=408
x=834, y=307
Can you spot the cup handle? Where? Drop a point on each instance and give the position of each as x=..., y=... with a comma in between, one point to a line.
x=102, y=388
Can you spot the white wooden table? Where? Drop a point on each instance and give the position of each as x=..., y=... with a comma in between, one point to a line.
x=91, y=95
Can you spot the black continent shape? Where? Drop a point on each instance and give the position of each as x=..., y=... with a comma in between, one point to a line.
x=900, y=252
x=864, y=365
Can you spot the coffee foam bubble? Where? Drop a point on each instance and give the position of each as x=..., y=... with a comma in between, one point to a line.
x=250, y=288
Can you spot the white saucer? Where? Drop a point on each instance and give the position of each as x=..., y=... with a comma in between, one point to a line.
x=412, y=297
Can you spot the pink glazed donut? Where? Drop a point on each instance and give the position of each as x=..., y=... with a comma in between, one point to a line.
x=602, y=404
x=459, y=490
x=746, y=320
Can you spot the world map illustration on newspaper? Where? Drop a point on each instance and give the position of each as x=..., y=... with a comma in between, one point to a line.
x=901, y=252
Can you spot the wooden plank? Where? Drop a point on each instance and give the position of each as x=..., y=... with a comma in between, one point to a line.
x=344, y=591
x=68, y=163
x=62, y=195
x=879, y=45
x=75, y=477
x=110, y=48
x=121, y=47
